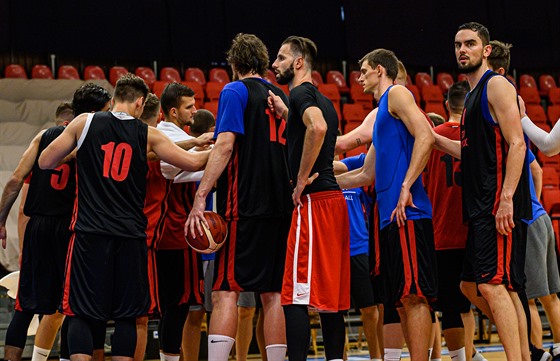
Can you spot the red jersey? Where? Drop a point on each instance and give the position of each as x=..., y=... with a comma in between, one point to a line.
x=155, y=208
x=443, y=182
x=179, y=205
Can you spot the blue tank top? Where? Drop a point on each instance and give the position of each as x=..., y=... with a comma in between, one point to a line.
x=393, y=147
x=538, y=209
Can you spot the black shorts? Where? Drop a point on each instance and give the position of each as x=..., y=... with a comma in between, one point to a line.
x=43, y=257
x=361, y=288
x=494, y=258
x=180, y=277
x=450, y=299
x=106, y=277
x=253, y=256
x=408, y=261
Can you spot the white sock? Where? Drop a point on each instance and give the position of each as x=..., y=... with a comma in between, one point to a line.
x=436, y=359
x=336, y=359
x=170, y=357
x=376, y=359
x=64, y=359
x=219, y=347
x=430, y=353
x=40, y=354
x=276, y=352
x=392, y=354
x=458, y=355
x=161, y=356
x=555, y=349
x=478, y=357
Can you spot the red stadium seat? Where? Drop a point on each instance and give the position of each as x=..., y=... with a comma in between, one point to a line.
x=422, y=79
x=530, y=95
x=550, y=178
x=444, y=81
x=358, y=96
x=527, y=81
x=335, y=77
x=219, y=75
x=115, y=73
x=436, y=107
x=432, y=93
x=170, y=75
x=158, y=87
x=553, y=113
x=408, y=80
x=331, y=92
x=147, y=74
x=550, y=198
x=15, y=71
x=353, y=78
x=546, y=82
x=211, y=107
x=461, y=77
x=41, y=71
x=68, y=72
x=317, y=78
x=554, y=96
x=94, y=72
x=213, y=90
x=198, y=92
x=353, y=112
x=415, y=92
x=196, y=75
x=536, y=113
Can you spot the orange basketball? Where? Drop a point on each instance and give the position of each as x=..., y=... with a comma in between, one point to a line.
x=213, y=237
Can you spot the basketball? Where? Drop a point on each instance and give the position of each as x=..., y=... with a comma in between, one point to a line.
x=213, y=237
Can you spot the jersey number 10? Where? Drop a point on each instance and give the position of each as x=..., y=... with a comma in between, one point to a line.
x=116, y=162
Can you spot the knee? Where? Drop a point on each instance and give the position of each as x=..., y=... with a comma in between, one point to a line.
x=370, y=312
x=246, y=312
x=413, y=301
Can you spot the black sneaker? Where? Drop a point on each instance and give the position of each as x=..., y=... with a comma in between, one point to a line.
x=554, y=357
x=538, y=354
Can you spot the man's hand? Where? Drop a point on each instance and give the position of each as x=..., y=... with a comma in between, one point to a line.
x=504, y=217
x=405, y=200
x=296, y=195
x=277, y=106
x=205, y=139
x=196, y=216
x=3, y=235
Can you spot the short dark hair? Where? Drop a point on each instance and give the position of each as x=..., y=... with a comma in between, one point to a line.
x=500, y=55
x=480, y=29
x=385, y=58
x=172, y=94
x=304, y=47
x=151, y=107
x=130, y=87
x=64, y=110
x=90, y=98
x=456, y=96
x=203, y=120
x=248, y=54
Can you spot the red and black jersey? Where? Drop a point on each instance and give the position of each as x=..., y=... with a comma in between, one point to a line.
x=155, y=208
x=51, y=191
x=484, y=153
x=301, y=98
x=256, y=182
x=179, y=205
x=112, y=167
x=443, y=182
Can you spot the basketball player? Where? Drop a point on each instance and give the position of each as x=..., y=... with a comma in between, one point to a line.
x=49, y=206
x=398, y=188
x=106, y=272
x=248, y=162
x=495, y=184
x=317, y=271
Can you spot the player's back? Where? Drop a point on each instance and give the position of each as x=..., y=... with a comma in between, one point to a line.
x=112, y=168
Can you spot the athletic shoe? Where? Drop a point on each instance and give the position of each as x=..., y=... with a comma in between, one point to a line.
x=478, y=357
x=538, y=354
x=555, y=357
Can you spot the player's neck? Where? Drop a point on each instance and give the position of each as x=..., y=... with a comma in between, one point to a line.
x=300, y=78
x=128, y=108
x=384, y=84
x=453, y=117
x=474, y=77
x=248, y=75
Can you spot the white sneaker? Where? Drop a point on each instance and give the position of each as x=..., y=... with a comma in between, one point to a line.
x=478, y=357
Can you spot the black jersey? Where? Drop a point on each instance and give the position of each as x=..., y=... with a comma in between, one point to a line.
x=301, y=98
x=51, y=191
x=112, y=167
x=484, y=153
x=256, y=182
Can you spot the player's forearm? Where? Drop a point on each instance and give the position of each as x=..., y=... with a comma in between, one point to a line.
x=548, y=143
x=420, y=156
x=352, y=140
x=312, y=143
x=356, y=178
x=451, y=147
x=9, y=196
x=187, y=144
x=514, y=168
x=217, y=162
